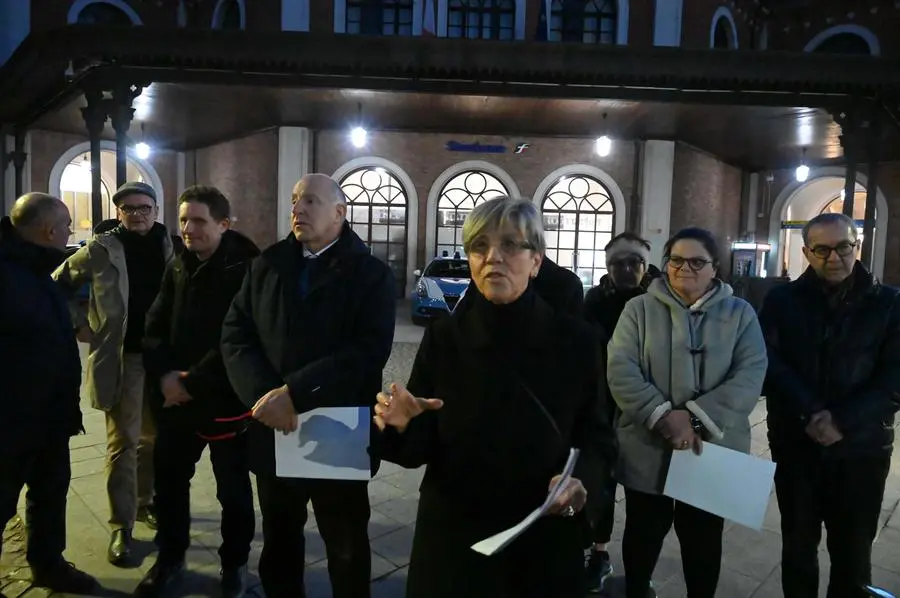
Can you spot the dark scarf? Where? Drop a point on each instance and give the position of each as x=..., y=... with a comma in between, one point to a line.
x=506, y=325
x=146, y=262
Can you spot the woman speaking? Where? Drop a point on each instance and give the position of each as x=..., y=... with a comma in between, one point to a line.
x=499, y=394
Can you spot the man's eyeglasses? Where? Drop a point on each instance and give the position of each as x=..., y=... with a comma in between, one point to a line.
x=694, y=263
x=631, y=263
x=143, y=210
x=823, y=252
x=482, y=246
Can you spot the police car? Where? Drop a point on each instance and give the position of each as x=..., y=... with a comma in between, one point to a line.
x=439, y=288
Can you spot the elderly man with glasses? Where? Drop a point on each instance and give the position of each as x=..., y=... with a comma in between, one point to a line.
x=124, y=268
x=832, y=389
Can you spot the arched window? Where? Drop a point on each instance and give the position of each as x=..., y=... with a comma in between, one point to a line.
x=481, y=19
x=723, y=34
x=583, y=21
x=844, y=43
x=229, y=14
x=579, y=219
x=462, y=193
x=380, y=17
x=101, y=13
x=377, y=212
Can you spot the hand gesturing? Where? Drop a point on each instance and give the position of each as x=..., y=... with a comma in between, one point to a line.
x=399, y=407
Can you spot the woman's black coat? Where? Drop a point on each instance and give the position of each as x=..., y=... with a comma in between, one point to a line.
x=491, y=451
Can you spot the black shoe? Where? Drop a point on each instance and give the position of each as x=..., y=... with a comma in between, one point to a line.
x=147, y=515
x=597, y=570
x=119, y=553
x=234, y=581
x=161, y=576
x=64, y=578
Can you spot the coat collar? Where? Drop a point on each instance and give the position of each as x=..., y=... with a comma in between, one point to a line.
x=864, y=282
x=286, y=256
x=475, y=331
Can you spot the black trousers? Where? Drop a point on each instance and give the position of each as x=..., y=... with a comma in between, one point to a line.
x=342, y=514
x=45, y=468
x=603, y=527
x=544, y=562
x=648, y=518
x=846, y=496
x=177, y=451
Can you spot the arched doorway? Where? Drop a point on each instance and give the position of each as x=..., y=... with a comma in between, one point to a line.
x=377, y=211
x=75, y=190
x=70, y=180
x=457, y=198
x=798, y=203
x=579, y=220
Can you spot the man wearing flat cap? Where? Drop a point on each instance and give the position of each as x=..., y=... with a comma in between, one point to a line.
x=124, y=268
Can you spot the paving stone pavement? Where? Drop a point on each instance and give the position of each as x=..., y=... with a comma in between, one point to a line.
x=750, y=564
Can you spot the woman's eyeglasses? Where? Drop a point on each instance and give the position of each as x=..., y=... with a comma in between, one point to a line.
x=482, y=246
x=694, y=263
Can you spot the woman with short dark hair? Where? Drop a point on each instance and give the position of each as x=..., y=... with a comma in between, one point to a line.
x=686, y=366
x=498, y=395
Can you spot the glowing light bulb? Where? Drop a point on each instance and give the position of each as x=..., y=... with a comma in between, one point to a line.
x=358, y=137
x=603, y=146
x=802, y=173
x=142, y=151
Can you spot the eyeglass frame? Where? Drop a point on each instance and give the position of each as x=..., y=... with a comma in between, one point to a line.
x=851, y=246
x=687, y=261
x=511, y=249
x=141, y=210
x=630, y=262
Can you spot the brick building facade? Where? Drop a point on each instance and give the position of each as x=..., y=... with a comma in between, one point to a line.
x=651, y=185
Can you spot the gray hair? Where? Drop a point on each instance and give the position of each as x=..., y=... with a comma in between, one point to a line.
x=500, y=212
x=827, y=218
x=33, y=210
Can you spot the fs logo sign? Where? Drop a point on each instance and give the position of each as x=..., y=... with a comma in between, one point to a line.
x=521, y=147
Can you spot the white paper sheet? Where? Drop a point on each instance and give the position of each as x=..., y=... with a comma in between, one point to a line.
x=501, y=540
x=727, y=483
x=330, y=443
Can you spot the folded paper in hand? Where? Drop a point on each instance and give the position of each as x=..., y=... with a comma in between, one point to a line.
x=499, y=541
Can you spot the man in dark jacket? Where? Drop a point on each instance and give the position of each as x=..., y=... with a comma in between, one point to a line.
x=190, y=392
x=40, y=379
x=627, y=260
x=832, y=389
x=311, y=327
x=560, y=287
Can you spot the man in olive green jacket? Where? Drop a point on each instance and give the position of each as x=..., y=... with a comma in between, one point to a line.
x=124, y=268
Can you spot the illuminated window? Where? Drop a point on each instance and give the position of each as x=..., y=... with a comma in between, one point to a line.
x=458, y=197
x=377, y=212
x=481, y=19
x=583, y=21
x=579, y=219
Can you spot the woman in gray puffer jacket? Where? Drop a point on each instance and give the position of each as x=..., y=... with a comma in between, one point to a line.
x=686, y=365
